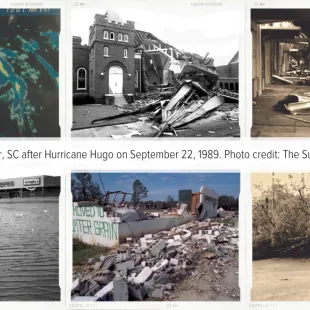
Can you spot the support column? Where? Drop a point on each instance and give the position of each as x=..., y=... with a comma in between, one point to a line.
x=268, y=67
x=259, y=61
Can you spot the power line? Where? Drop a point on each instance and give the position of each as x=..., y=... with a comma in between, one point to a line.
x=102, y=183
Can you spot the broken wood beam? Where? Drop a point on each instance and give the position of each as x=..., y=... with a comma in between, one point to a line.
x=147, y=108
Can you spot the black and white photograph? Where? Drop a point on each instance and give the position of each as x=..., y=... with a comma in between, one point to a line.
x=280, y=72
x=29, y=245
x=134, y=76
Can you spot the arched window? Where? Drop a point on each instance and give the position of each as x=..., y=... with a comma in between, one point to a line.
x=81, y=79
x=231, y=86
x=126, y=37
x=112, y=36
x=236, y=87
x=106, y=35
x=125, y=53
x=221, y=85
x=120, y=37
x=106, y=51
x=226, y=86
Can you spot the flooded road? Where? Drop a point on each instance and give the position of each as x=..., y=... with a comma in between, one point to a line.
x=29, y=262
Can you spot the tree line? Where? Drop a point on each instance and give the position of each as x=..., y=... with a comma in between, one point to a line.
x=84, y=188
x=281, y=218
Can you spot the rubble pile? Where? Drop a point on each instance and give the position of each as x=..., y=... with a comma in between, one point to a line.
x=297, y=72
x=305, y=81
x=192, y=97
x=152, y=266
x=296, y=76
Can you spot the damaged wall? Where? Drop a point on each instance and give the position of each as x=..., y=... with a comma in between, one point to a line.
x=140, y=228
x=91, y=225
x=229, y=74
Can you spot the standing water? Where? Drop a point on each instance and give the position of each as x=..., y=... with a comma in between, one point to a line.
x=29, y=261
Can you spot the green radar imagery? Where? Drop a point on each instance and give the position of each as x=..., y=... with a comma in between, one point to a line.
x=29, y=72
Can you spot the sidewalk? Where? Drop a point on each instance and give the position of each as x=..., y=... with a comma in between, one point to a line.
x=270, y=123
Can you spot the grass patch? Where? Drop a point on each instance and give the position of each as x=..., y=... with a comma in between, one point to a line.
x=231, y=221
x=82, y=252
x=82, y=98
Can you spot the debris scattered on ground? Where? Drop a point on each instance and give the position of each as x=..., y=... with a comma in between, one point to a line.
x=296, y=76
x=151, y=267
x=304, y=81
x=192, y=97
x=294, y=104
x=281, y=79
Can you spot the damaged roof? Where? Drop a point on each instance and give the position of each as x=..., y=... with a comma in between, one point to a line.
x=235, y=59
x=142, y=36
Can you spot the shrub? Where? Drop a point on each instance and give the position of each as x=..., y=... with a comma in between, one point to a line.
x=262, y=247
x=82, y=98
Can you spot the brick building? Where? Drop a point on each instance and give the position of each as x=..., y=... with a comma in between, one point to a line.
x=119, y=60
x=229, y=74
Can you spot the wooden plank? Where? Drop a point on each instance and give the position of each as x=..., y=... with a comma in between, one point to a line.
x=182, y=92
x=278, y=78
x=209, y=105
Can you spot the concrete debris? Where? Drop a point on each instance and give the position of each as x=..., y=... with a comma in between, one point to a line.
x=98, y=265
x=108, y=263
x=143, y=275
x=91, y=261
x=105, y=291
x=157, y=294
x=137, y=292
x=120, y=289
x=157, y=248
x=75, y=285
x=155, y=265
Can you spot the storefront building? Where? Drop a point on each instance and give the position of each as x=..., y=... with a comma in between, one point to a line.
x=38, y=186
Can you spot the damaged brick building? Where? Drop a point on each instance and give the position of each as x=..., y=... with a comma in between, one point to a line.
x=229, y=74
x=120, y=61
x=112, y=62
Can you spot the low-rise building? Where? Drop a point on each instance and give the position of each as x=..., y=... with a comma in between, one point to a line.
x=38, y=186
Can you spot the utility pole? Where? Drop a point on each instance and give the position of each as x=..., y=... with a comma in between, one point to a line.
x=273, y=241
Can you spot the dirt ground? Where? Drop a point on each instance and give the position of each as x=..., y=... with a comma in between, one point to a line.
x=204, y=287
x=281, y=280
x=224, y=122
x=270, y=123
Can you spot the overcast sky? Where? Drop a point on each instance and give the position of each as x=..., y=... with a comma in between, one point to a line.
x=265, y=179
x=193, y=29
x=161, y=185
